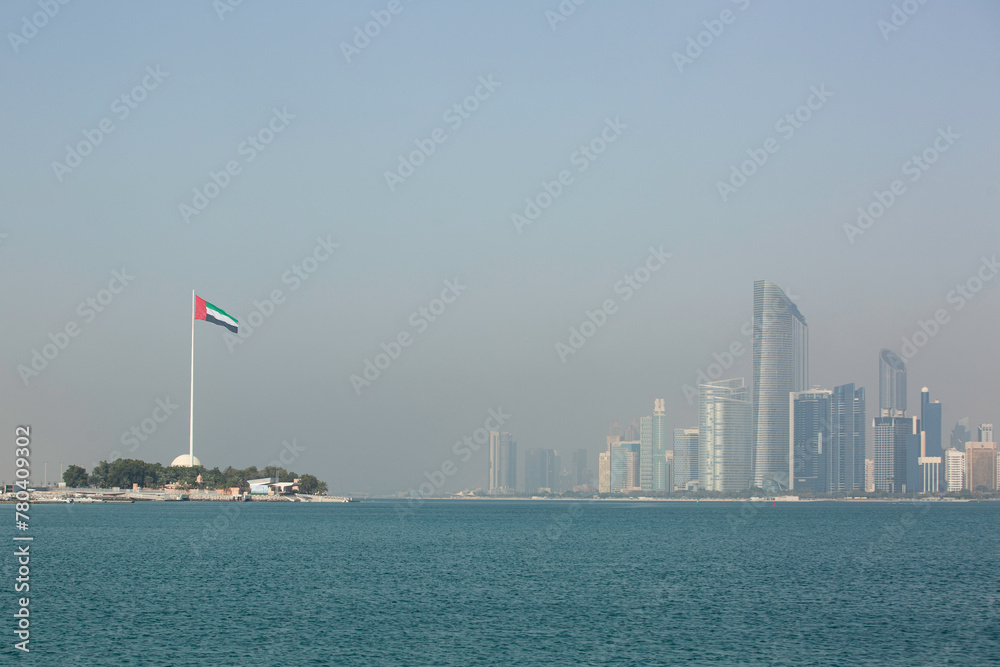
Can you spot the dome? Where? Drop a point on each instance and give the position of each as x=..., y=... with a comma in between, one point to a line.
x=185, y=460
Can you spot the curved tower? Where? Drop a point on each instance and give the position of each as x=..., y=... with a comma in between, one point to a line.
x=780, y=366
x=891, y=384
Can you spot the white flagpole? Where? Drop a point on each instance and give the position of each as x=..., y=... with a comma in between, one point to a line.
x=191, y=460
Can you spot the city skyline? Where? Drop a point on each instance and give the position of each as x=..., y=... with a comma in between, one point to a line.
x=282, y=146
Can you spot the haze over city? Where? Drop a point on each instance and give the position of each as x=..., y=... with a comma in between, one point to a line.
x=629, y=142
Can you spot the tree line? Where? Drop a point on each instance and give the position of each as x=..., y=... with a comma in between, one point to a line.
x=123, y=473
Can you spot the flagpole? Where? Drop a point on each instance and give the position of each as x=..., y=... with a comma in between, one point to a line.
x=191, y=443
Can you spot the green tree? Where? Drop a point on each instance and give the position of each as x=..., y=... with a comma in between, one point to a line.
x=310, y=484
x=75, y=476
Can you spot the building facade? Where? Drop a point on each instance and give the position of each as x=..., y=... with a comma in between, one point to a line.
x=662, y=471
x=809, y=432
x=845, y=457
x=646, y=453
x=685, y=457
x=780, y=366
x=503, y=463
x=541, y=471
x=981, y=466
x=724, y=436
x=954, y=470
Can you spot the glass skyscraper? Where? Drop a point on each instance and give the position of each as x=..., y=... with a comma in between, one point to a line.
x=845, y=455
x=780, y=366
x=891, y=384
x=809, y=436
x=930, y=421
x=724, y=435
x=892, y=427
x=661, y=471
x=646, y=453
x=685, y=456
x=503, y=463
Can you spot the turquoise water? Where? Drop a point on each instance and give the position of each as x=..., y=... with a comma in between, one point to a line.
x=511, y=583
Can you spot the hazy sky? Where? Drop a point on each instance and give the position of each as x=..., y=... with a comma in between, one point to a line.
x=198, y=86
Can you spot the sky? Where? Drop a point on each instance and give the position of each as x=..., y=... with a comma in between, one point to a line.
x=242, y=151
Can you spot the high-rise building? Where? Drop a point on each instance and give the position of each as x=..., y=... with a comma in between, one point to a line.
x=869, y=475
x=646, y=453
x=685, y=457
x=986, y=433
x=981, y=466
x=541, y=470
x=503, y=463
x=809, y=434
x=625, y=466
x=668, y=471
x=892, y=427
x=891, y=384
x=579, y=473
x=890, y=435
x=780, y=366
x=631, y=431
x=662, y=473
x=954, y=470
x=845, y=457
x=930, y=422
x=961, y=434
x=724, y=437
x=604, y=472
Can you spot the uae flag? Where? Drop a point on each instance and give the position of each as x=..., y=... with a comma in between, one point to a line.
x=203, y=310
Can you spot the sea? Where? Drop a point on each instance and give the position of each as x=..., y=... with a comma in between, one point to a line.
x=489, y=582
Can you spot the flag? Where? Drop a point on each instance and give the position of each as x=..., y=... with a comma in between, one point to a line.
x=203, y=310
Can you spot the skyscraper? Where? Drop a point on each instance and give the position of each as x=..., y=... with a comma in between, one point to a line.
x=930, y=422
x=646, y=453
x=986, y=433
x=961, y=434
x=845, y=457
x=930, y=464
x=780, y=366
x=685, y=457
x=809, y=435
x=891, y=384
x=503, y=463
x=724, y=438
x=540, y=470
x=604, y=472
x=625, y=466
x=661, y=470
x=890, y=452
x=892, y=426
x=579, y=472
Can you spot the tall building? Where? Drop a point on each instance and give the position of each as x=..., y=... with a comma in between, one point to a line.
x=625, y=466
x=541, y=470
x=809, y=435
x=892, y=427
x=503, y=463
x=981, y=466
x=930, y=422
x=891, y=384
x=724, y=436
x=890, y=436
x=869, y=475
x=668, y=471
x=646, y=453
x=961, y=434
x=685, y=457
x=579, y=472
x=954, y=470
x=780, y=366
x=604, y=472
x=661, y=470
x=986, y=433
x=845, y=457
